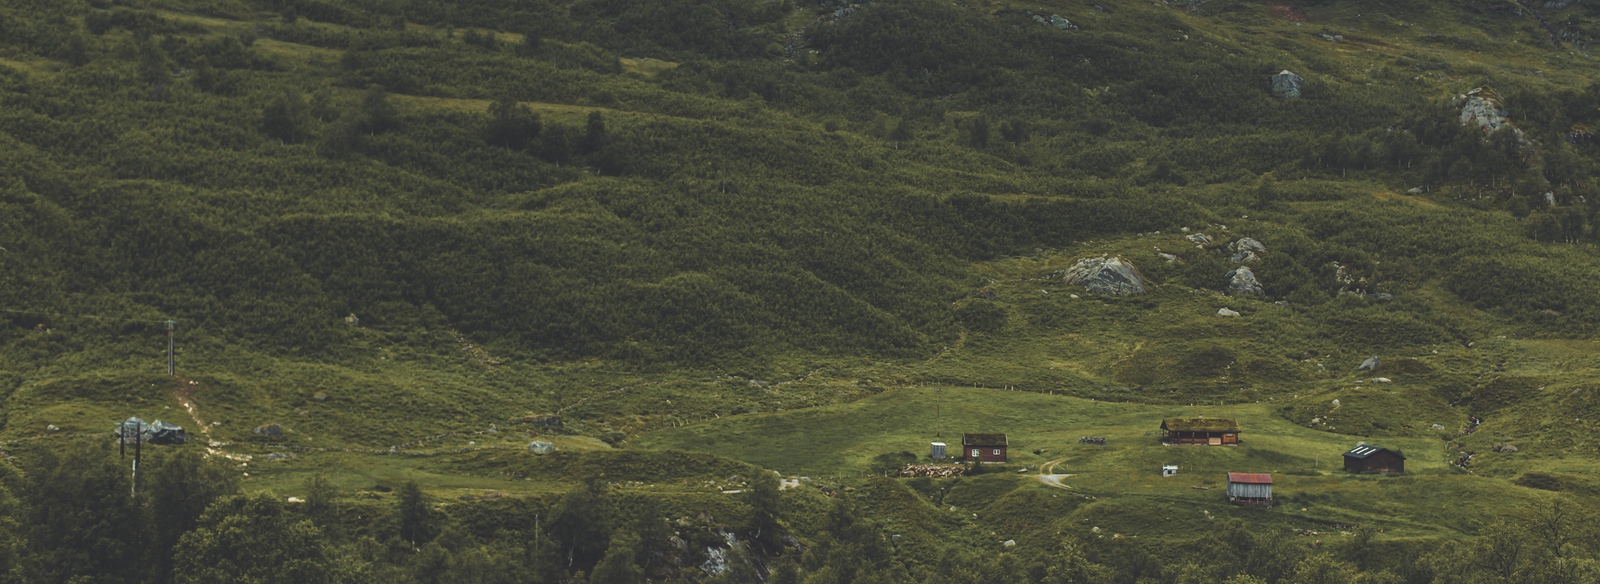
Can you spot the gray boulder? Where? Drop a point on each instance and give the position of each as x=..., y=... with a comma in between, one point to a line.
x=1368, y=365
x=1438, y=426
x=1504, y=447
x=1106, y=276
x=269, y=430
x=541, y=447
x=1226, y=312
x=1057, y=21
x=1286, y=85
x=1199, y=238
x=1242, y=281
x=1247, y=250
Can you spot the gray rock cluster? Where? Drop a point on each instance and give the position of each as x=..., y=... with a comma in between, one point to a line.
x=1242, y=281
x=541, y=447
x=1286, y=84
x=1199, y=238
x=1106, y=276
x=1247, y=250
x=269, y=430
x=1370, y=364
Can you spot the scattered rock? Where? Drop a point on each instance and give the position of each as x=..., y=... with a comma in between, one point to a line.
x=1316, y=420
x=1242, y=281
x=1415, y=191
x=1286, y=84
x=269, y=430
x=319, y=397
x=1438, y=426
x=295, y=500
x=1247, y=250
x=1226, y=312
x=1106, y=276
x=1336, y=403
x=1199, y=238
x=1370, y=364
x=51, y=428
x=1095, y=529
x=1281, y=304
x=541, y=447
x=988, y=295
x=1167, y=256
x=1383, y=297
x=279, y=456
x=1010, y=543
x=1504, y=447
x=1380, y=380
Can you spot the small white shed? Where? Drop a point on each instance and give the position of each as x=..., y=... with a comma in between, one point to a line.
x=1169, y=470
x=936, y=451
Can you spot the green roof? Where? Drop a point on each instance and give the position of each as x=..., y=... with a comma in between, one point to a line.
x=1200, y=425
x=983, y=439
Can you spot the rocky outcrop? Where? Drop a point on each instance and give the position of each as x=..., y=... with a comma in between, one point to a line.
x=1106, y=276
x=1247, y=250
x=541, y=447
x=1370, y=364
x=1286, y=84
x=1243, y=281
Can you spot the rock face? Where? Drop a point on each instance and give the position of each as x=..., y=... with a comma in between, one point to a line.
x=1482, y=107
x=1286, y=84
x=1106, y=276
x=1242, y=281
x=541, y=447
x=1368, y=365
x=1247, y=250
x=269, y=430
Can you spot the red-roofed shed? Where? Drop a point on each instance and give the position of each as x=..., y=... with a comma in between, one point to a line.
x=1247, y=487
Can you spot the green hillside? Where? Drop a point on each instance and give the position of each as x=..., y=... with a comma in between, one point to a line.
x=692, y=243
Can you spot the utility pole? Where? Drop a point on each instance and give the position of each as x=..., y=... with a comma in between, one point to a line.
x=938, y=413
x=171, y=364
x=138, y=439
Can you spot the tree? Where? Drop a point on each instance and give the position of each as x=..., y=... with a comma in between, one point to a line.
x=286, y=117
x=320, y=495
x=178, y=489
x=764, y=501
x=619, y=565
x=377, y=114
x=413, y=516
x=581, y=523
x=1014, y=132
x=82, y=520
x=512, y=125
x=904, y=131
x=250, y=539
x=595, y=135
x=978, y=133
x=1266, y=192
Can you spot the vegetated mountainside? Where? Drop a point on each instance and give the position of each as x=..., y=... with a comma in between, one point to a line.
x=392, y=225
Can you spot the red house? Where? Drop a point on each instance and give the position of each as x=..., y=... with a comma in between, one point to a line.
x=984, y=447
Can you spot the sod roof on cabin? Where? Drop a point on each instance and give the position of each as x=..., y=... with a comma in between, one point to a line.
x=1200, y=425
x=983, y=439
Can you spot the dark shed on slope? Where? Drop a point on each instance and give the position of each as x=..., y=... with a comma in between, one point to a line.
x=1378, y=458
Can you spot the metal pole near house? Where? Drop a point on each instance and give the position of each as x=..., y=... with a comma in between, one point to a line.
x=171, y=364
x=138, y=440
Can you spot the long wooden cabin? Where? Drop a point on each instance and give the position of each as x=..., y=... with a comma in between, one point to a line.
x=1212, y=431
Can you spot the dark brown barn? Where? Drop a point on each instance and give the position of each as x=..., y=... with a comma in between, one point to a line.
x=984, y=447
x=1215, y=431
x=1378, y=458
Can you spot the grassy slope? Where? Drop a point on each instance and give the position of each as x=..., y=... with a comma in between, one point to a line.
x=1166, y=349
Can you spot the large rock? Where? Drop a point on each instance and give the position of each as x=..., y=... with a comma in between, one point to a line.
x=1243, y=281
x=1504, y=447
x=1247, y=250
x=1368, y=365
x=1482, y=107
x=1106, y=276
x=541, y=447
x=1226, y=312
x=269, y=430
x=1286, y=84
x=1199, y=238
